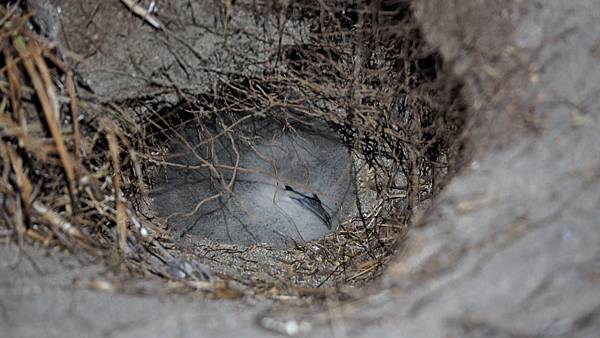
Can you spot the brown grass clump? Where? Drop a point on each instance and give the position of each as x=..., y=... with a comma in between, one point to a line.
x=60, y=169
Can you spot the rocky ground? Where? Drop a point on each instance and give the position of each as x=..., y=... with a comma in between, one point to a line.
x=510, y=248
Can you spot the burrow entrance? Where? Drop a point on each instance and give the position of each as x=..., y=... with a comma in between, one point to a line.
x=295, y=170
x=303, y=178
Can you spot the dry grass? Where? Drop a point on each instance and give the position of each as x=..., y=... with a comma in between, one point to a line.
x=54, y=174
x=76, y=181
x=379, y=85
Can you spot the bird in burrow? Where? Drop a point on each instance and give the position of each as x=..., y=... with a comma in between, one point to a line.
x=312, y=203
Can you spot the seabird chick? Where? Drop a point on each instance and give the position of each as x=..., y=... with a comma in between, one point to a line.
x=313, y=204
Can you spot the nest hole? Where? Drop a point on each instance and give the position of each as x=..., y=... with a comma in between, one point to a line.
x=297, y=176
x=283, y=189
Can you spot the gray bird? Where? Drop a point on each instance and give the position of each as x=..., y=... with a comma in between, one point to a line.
x=312, y=203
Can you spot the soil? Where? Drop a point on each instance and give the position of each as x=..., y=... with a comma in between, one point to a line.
x=509, y=249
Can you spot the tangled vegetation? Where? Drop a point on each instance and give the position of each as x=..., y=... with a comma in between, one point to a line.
x=75, y=170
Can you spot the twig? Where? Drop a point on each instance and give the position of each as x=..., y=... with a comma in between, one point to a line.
x=75, y=121
x=58, y=224
x=45, y=92
x=120, y=207
x=144, y=13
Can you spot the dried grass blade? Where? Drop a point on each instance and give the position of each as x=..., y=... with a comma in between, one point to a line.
x=4, y=183
x=26, y=141
x=24, y=185
x=113, y=148
x=143, y=13
x=45, y=93
x=23, y=182
x=75, y=121
x=14, y=82
x=59, y=224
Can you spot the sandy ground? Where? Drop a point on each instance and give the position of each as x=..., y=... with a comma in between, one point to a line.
x=510, y=249
x=42, y=299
